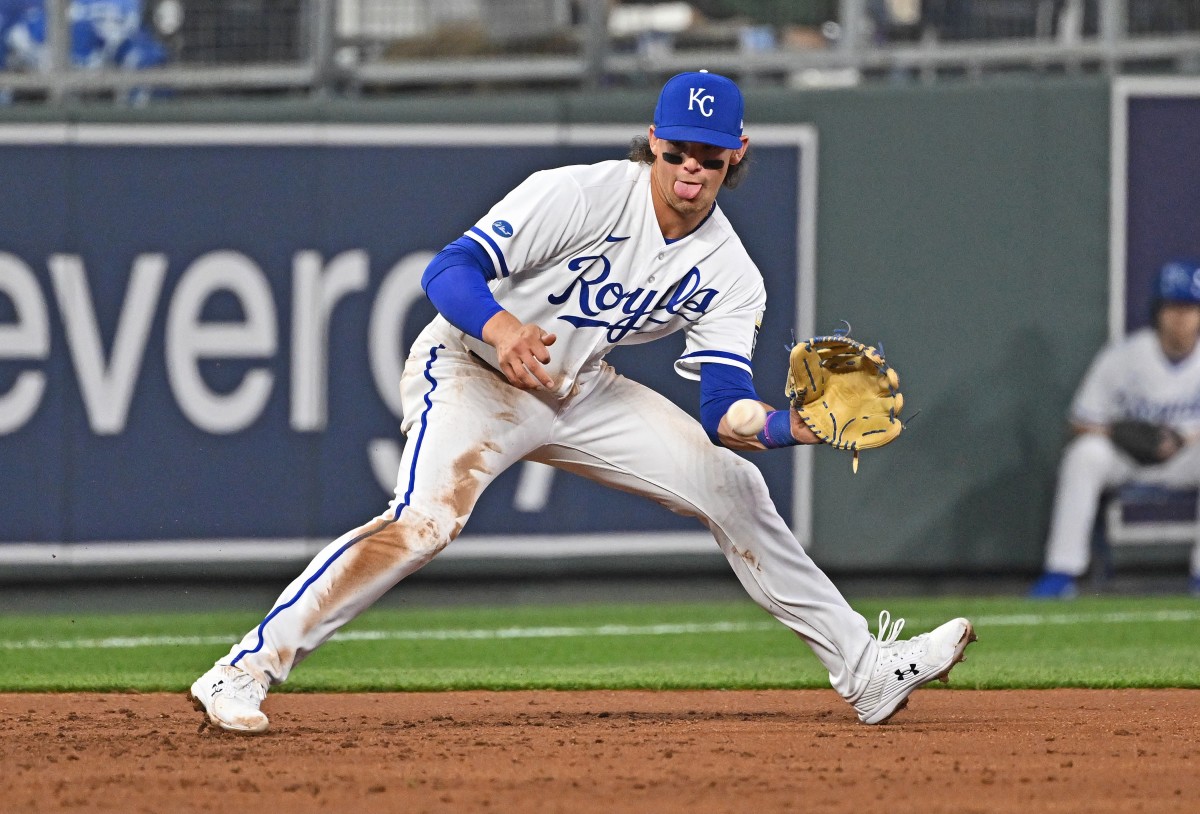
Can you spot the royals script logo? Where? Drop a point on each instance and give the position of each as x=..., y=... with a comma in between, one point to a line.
x=622, y=311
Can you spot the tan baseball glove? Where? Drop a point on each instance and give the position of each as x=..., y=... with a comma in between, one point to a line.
x=845, y=392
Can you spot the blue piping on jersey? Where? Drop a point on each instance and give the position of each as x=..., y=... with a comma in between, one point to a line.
x=325, y=566
x=715, y=354
x=696, y=228
x=475, y=230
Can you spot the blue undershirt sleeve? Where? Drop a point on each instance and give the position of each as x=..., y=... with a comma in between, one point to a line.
x=456, y=283
x=720, y=386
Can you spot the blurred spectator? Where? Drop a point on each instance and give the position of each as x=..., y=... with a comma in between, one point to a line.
x=1136, y=419
x=948, y=19
x=104, y=34
x=894, y=20
x=908, y=21
x=15, y=41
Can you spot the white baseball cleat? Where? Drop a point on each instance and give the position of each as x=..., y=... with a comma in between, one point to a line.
x=909, y=663
x=231, y=698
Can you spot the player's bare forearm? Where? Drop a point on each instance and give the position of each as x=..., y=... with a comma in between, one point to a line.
x=1081, y=428
x=521, y=350
x=741, y=443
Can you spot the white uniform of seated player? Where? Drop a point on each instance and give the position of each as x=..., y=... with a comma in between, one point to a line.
x=573, y=262
x=1152, y=375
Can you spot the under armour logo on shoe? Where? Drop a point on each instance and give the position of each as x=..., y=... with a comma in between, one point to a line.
x=912, y=670
x=216, y=688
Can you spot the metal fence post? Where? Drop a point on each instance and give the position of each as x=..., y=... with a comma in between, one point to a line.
x=851, y=15
x=323, y=21
x=58, y=46
x=1114, y=27
x=1070, y=22
x=595, y=44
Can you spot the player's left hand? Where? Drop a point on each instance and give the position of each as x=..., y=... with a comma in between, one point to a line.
x=742, y=443
x=801, y=431
x=845, y=392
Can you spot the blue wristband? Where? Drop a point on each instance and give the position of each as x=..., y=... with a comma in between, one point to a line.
x=777, y=432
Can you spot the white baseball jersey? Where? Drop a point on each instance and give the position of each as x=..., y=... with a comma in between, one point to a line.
x=578, y=251
x=1133, y=378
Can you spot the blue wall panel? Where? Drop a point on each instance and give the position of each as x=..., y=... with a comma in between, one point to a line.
x=160, y=475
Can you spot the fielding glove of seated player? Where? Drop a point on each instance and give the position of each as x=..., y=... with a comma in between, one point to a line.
x=845, y=392
x=1146, y=443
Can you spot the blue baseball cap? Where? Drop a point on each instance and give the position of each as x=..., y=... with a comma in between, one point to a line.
x=700, y=106
x=1178, y=281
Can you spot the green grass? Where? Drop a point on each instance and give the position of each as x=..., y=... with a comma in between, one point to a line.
x=1094, y=642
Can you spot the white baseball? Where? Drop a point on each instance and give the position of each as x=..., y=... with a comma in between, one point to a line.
x=746, y=417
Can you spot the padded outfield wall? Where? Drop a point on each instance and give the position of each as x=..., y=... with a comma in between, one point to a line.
x=965, y=226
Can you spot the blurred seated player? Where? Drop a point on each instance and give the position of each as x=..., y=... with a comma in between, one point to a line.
x=1136, y=419
x=104, y=34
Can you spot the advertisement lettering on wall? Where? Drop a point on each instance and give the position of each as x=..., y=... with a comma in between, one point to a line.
x=202, y=331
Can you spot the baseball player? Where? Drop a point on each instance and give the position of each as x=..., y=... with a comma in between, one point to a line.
x=1136, y=418
x=570, y=264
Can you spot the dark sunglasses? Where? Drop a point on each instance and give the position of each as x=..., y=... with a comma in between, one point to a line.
x=709, y=164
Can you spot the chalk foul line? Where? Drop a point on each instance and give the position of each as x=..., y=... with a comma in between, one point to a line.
x=562, y=632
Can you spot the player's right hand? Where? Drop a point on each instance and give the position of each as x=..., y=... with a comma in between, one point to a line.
x=521, y=350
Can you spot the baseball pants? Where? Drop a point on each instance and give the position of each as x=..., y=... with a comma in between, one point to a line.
x=465, y=425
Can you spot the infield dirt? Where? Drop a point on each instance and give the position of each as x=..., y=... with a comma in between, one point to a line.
x=958, y=751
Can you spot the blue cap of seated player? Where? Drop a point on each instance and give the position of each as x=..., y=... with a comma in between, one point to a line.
x=700, y=106
x=1178, y=281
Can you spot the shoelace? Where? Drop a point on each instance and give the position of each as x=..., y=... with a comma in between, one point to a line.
x=886, y=636
x=245, y=685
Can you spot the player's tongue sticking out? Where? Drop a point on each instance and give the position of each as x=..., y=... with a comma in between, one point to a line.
x=686, y=190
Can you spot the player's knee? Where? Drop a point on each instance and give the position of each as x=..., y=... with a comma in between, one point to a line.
x=742, y=485
x=418, y=535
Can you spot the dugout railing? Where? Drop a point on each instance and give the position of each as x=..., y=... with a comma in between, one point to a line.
x=364, y=47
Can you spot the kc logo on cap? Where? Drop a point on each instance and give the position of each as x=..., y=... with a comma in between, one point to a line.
x=700, y=106
x=702, y=103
